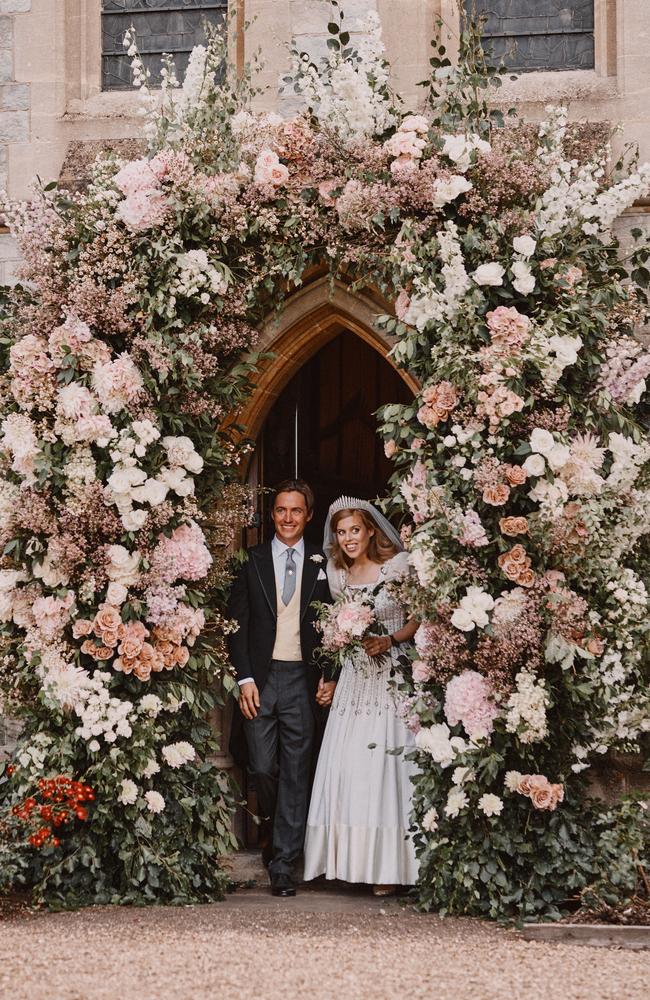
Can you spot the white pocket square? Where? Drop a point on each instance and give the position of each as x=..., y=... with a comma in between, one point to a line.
x=321, y=575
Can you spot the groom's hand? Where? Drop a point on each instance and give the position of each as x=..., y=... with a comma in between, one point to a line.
x=325, y=692
x=249, y=700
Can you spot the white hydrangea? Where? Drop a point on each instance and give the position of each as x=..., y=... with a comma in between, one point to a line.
x=526, y=708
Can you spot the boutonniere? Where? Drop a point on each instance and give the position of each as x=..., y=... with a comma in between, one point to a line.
x=316, y=558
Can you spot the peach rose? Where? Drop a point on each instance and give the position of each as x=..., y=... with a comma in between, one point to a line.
x=526, y=578
x=510, y=569
x=130, y=647
x=142, y=669
x=518, y=554
x=421, y=671
x=110, y=638
x=390, y=448
x=543, y=797
x=558, y=791
x=513, y=525
x=516, y=475
x=524, y=784
x=182, y=655
x=595, y=645
x=497, y=495
x=446, y=396
x=103, y=653
x=83, y=626
x=107, y=619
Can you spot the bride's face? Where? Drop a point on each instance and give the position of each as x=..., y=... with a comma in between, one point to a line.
x=353, y=536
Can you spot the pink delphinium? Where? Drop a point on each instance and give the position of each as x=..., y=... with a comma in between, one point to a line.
x=468, y=701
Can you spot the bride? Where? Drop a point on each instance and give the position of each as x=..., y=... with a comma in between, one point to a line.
x=357, y=828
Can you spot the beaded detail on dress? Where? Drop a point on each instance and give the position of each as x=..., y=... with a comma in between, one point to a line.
x=365, y=684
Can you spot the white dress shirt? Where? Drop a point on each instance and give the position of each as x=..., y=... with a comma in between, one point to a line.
x=279, y=552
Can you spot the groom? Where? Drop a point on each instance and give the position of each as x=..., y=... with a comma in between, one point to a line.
x=280, y=684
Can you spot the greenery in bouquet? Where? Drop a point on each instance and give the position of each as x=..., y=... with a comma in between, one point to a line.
x=521, y=469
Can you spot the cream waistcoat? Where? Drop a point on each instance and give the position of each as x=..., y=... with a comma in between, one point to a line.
x=287, y=636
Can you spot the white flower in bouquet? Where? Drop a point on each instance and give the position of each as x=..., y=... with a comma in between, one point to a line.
x=456, y=801
x=524, y=245
x=345, y=622
x=128, y=793
x=490, y=805
x=558, y=457
x=430, y=820
x=155, y=802
x=524, y=279
x=489, y=274
x=177, y=754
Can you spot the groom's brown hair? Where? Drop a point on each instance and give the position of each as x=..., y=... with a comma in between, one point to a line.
x=295, y=486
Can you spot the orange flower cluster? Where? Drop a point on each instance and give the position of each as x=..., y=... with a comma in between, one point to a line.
x=62, y=803
x=438, y=402
x=540, y=791
x=499, y=481
x=515, y=565
x=107, y=628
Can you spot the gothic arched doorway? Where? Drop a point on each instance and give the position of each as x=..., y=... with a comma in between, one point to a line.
x=322, y=427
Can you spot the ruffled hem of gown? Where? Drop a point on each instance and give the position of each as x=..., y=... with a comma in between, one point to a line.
x=382, y=855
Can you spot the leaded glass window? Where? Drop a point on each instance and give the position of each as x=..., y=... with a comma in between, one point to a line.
x=173, y=26
x=538, y=34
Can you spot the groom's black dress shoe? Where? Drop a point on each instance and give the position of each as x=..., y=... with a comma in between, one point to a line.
x=282, y=885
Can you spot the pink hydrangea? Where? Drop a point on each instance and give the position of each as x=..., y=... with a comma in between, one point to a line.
x=472, y=531
x=143, y=210
x=468, y=701
x=73, y=334
x=509, y=329
x=117, y=383
x=51, y=614
x=182, y=556
x=426, y=639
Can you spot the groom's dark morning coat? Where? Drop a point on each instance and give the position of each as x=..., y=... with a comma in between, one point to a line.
x=253, y=603
x=281, y=737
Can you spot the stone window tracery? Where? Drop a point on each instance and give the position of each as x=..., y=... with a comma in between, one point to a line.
x=531, y=35
x=172, y=26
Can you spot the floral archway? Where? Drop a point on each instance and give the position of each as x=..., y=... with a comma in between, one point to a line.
x=521, y=472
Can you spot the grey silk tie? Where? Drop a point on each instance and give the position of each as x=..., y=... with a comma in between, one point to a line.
x=289, y=588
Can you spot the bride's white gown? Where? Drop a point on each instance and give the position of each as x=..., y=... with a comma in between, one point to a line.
x=357, y=828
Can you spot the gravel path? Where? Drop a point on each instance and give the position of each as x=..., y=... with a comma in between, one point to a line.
x=325, y=944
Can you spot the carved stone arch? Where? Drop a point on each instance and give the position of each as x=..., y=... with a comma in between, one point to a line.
x=313, y=315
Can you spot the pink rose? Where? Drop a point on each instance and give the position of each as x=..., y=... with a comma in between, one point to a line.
x=421, y=671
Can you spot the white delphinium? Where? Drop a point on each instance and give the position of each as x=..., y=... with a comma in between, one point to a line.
x=490, y=805
x=128, y=792
x=526, y=708
x=155, y=802
x=430, y=304
x=346, y=95
x=197, y=83
x=177, y=754
x=456, y=801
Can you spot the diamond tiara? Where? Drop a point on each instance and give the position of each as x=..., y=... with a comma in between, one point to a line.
x=350, y=503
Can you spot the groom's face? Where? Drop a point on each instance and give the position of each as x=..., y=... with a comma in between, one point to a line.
x=290, y=516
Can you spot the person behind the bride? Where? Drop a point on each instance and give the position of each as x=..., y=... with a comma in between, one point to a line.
x=357, y=828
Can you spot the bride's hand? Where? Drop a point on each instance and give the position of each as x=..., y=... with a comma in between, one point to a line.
x=376, y=645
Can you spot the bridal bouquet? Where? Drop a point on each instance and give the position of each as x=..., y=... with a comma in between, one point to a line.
x=344, y=625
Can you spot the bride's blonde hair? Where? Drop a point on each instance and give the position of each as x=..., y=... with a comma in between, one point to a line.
x=380, y=548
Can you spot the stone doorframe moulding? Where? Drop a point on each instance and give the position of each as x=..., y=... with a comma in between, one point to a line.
x=312, y=316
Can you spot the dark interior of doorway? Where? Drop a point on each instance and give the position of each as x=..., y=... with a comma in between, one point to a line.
x=322, y=428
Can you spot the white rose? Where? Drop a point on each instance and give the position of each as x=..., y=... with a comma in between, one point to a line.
x=446, y=190
x=133, y=520
x=463, y=620
x=129, y=793
x=525, y=245
x=489, y=274
x=565, y=348
x=541, y=441
x=116, y=593
x=152, y=492
x=456, y=148
x=155, y=802
x=490, y=805
x=535, y=465
x=558, y=457
x=524, y=281
x=124, y=480
x=172, y=478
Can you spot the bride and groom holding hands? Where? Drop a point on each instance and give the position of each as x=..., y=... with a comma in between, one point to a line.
x=355, y=825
